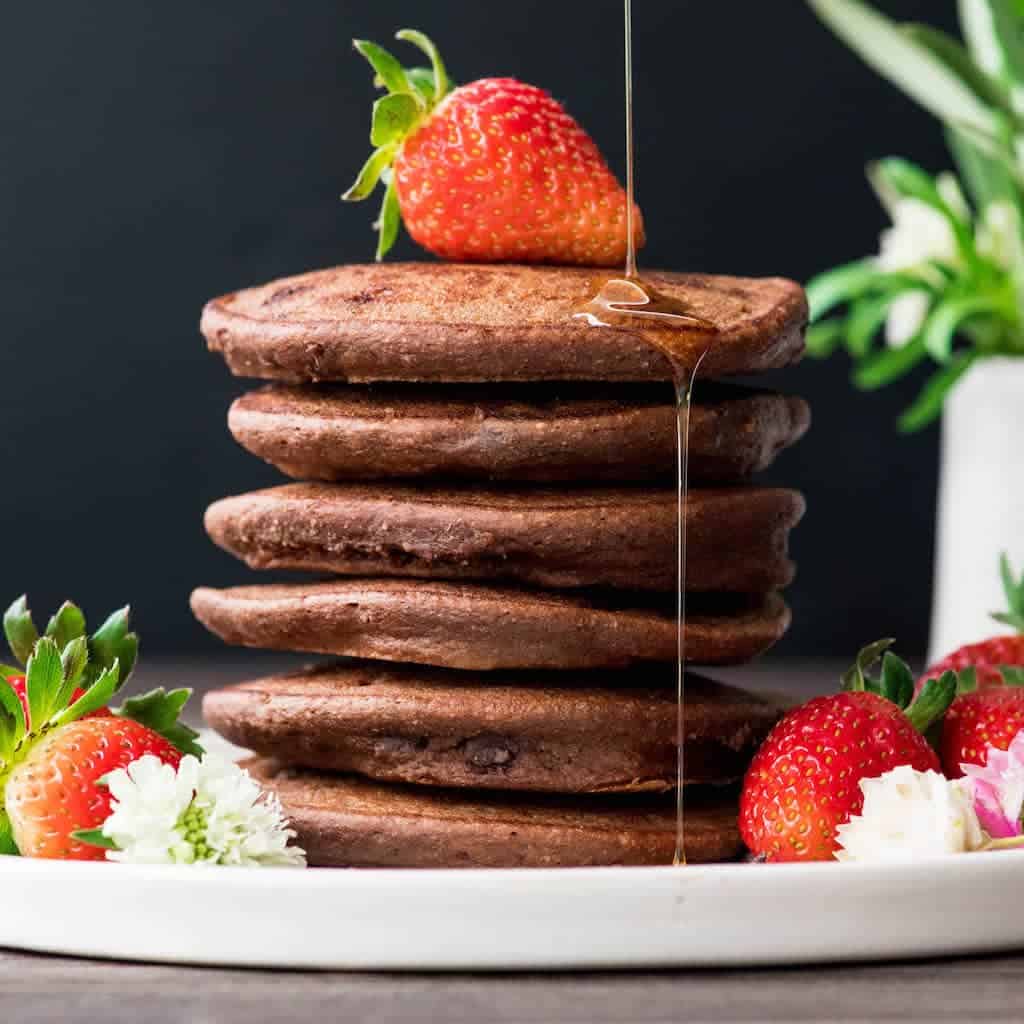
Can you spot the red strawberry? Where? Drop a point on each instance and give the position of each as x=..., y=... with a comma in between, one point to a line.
x=70, y=677
x=56, y=790
x=492, y=171
x=804, y=782
x=977, y=720
x=989, y=657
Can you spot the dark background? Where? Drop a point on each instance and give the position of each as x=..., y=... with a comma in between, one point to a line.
x=154, y=154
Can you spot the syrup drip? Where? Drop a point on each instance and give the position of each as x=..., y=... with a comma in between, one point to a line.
x=671, y=327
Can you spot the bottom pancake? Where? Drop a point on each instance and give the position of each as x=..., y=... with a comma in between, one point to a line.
x=567, y=732
x=348, y=822
x=472, y=626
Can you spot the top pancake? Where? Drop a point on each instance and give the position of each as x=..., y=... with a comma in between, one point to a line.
x=473, y=323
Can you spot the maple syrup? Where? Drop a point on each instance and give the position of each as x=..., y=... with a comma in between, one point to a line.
x=671, y=327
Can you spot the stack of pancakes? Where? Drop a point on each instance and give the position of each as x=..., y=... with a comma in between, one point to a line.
x=487, y=511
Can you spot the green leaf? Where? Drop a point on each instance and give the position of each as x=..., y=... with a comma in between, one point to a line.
x=825, y=337
x=954, y=54
x=855, y=678
x=967, y=681
x=387, y=67
x=865, y=320
x=8, y=848
x=932, y=702
x=422, y=80
x=897, y=680
x=97, y=696
x=946, y=319
x=94, y=837
x=73, y=659
x=12, y=707
x=1013, y=675
x=107, y=643
x=20, y=630
x=995, y=33
x=368, y=177
x=67, y=623
x=159, y=710
x=393, y=119
x=389, y=222
x=1014, y=591
x=843, y=284
x=10, y=671
x=44, y=675
x=886, y=366
x=984, y=175
x=929, y=403
x=419, y=40
x=906, y=63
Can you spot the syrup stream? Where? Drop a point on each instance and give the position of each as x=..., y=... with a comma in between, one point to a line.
x=669, y=326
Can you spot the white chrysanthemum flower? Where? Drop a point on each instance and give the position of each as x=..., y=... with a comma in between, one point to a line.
x=909, y=815
x=209, y=811
x=999, y=234
x=919, y=234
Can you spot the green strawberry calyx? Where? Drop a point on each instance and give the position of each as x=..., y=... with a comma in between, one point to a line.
x=1013, y=587
x=896, y=684
x=68, y=675
x=412, y=95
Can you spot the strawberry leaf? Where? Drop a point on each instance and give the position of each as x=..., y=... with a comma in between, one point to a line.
x=966, y=681
x=73, y=660
x=159, y=710
x=393, y=119
x=442, y=84
x=1014, y=590
x=387, y=67
x=897, y=680
x=856, y=679
x=67, y=624
x=932, y=702
x=97, y=696
x=20, y=630
x=1013, y=675
x=44, y=675
x=389, y=222
x=11, y=711
x=8, y=848
x=11, y=671
x=422, y=81
x=94, y=837
x=369, y=176
x=110, y=643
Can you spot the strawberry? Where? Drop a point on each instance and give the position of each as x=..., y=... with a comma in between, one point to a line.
x=492, y=171
x=70, y=676
x=988, y=657
x=980, y=718
x=57, y=791
x=804, y=782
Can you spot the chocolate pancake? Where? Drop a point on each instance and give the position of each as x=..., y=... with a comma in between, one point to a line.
x=472, y=626
x=559, y=733
x=526, y=432
x=344, y=821
x=451, y=322
x=737, y=538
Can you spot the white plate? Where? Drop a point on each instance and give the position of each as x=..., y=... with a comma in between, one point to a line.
x=577, y=918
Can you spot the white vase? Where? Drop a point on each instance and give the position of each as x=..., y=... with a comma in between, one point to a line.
x=981, y=502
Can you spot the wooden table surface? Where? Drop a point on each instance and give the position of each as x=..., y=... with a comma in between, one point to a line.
x=48, y=989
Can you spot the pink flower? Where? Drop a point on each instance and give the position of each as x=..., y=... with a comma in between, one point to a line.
x=998, y=790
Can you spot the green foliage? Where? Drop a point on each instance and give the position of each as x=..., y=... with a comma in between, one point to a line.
x=411, y=95
x=973, y=305
x=1013, y=588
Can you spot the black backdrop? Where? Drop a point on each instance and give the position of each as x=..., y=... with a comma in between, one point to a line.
x=154, y=154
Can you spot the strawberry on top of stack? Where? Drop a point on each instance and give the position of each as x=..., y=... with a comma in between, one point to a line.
x=805, y=782
x=59, y=736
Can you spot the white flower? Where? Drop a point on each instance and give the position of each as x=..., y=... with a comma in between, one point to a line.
x=919, y=234
x=909, y=815
x=209, y=811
